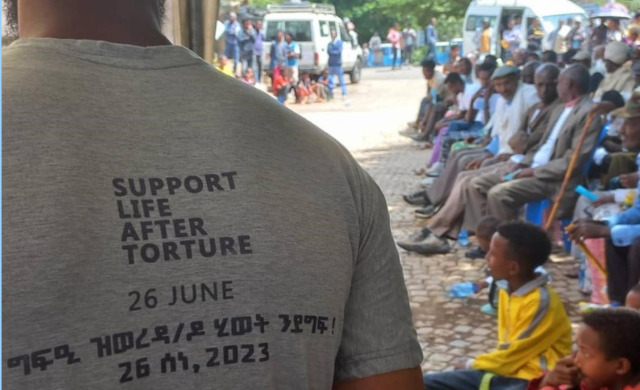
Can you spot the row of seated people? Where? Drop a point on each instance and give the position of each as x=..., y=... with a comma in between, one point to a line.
x=506, y=138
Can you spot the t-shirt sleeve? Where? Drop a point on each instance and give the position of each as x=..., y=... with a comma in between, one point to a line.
x=378, y=334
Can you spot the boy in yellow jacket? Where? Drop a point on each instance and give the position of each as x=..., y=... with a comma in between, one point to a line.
x=533, y=328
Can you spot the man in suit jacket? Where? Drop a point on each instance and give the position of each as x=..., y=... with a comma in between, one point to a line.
x=540, y=174
x=455, y=214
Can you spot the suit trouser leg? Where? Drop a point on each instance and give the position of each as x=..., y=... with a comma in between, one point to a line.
x=448, y=220
x=436, y=113
x=458, y=160
x=504, y=200
x=475, y=193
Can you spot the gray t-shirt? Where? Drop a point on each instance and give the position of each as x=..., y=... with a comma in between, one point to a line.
x=159, y=234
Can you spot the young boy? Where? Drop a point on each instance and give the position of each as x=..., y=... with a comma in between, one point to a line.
x=608, y=356
x=533, y=328
x=633, y=298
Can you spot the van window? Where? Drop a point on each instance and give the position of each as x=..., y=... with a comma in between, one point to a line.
x=345, y=34
x=324, y=28
x=474, y=22
x=300, y=29
x=550, y=23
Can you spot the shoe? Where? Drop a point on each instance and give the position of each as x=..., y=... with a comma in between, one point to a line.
x=420, y=137
x=436, y=169
x=489, y=310
x=432, y=245
x=412, y=125
x=426, y=212
x=414, y=239
x=477, y=253
x=409, y=132
x=419, y=198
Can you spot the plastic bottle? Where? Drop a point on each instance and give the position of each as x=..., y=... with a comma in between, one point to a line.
x=463, y=290
x=463, y=238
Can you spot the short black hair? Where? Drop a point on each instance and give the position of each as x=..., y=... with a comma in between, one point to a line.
x=619, y=333
x=467, y=62
x=453, y=78
x=550, y=56
x=490, y=58
x=529, y=243
x=534, y=55
x=487, y=227
x=614, y=97
x=431, y=64
x=486, y=67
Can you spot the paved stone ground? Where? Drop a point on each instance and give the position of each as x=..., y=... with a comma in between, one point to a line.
x=448, y=329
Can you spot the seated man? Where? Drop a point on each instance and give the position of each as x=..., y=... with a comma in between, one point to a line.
x=533, y=328
x=540, y=174
x=436, y=92
x=619, y=78
x=516, y=99
x=452, y=216
x=622, y=231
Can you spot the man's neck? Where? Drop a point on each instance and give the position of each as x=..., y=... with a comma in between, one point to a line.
x=118, y=21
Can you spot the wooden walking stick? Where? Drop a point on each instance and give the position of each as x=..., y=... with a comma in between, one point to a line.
x=567, y=176
x=590, y=256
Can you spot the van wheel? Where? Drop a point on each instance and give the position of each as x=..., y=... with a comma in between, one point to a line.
x=356, y=72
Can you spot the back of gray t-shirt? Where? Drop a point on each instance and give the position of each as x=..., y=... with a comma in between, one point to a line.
x=165, y=226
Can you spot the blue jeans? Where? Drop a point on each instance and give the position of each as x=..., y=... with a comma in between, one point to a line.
x=337, y=70
x=232, y=52
x=471, y=380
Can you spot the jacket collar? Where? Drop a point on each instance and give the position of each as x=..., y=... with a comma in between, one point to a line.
x=525, y=289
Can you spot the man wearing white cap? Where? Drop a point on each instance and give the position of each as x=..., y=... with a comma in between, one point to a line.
x=619, y=78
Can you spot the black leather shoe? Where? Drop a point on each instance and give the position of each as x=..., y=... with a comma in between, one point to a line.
x=431, y=246
x=477, y=253
x=419, y=198
x=415, y=238
x=426, y=212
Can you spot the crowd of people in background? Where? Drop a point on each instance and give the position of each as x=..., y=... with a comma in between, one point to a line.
x=505, y=135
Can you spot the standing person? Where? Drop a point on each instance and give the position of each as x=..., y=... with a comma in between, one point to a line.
x=578, y=35
x=535, y=35
x=231, y=31
x=352, y=32
x=432, y=40
x=483, y=37
x=335, y=61
x=293, y=56
x=394, y=38
x=258, y=49
x=246, y=40
x=614, y=31
x=278, y=51
x=511, y=37
x=410, y=37
x=109, y=99
x=375, y=44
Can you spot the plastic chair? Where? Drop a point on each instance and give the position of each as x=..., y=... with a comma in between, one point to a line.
x=534, y=212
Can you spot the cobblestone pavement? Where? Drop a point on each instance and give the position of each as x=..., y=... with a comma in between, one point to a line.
x=448, y=329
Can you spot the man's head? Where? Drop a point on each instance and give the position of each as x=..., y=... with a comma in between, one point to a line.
x=288, y=37
x=633, y=298
x=630, y=131
x=491, y=59
x=510, y=24
x=528, y=72
x=259, y=24
x=634, y=32
x=609, y=347
x=516, y=250
x=550, y=56
x=546, y=81
x=532, y=56
x=428, y=68
x=573, y=83
x=518, y=57
x=454, y=83
x=582, y=57
x=11, y=11
x=334, y=34
x=485, y=230
x=613, y=24
x=434, y=21
x=486, y=24
x=484, y=71
x=615, y=55
x=233, y=16
x=246, y=23
x=453, y=51
x=506, y=80
x=560, y=23
x=280, y=35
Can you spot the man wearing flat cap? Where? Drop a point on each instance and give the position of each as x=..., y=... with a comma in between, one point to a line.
x=619, y=78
